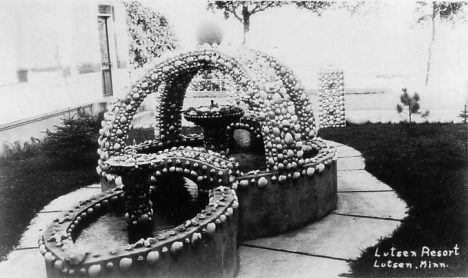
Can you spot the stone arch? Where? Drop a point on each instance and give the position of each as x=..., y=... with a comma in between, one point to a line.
x=271, y=94
x=250, y=125
x=297, y=93
x=175, y=75
x=209, y=172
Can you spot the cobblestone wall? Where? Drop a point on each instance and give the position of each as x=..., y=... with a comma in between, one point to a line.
x=331, y=97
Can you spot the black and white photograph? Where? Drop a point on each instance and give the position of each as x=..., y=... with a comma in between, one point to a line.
x=234, y=139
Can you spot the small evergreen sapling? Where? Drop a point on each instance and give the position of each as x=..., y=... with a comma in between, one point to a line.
x=464, y=115
x=73, y=140
x=410, y=105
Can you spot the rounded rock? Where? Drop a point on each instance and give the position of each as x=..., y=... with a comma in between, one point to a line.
x=310, y=171
x=94, y=270
x=262, y=182
x=282, y=179
x=196, y=239
x=222, y=218
x=244, y=183
x=152, y=257
x=289, y=138
x=176, y=248
x=211, y=228
x=125, y=264
x=320, y=168
x=58, y=265
x=109, y=265
x=49, y=258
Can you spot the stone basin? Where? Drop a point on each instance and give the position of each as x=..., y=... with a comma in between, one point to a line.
x=209, y=239
x=205, y=116
x=215, y=121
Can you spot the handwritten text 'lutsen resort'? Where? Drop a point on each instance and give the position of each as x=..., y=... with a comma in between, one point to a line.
x=419, y=259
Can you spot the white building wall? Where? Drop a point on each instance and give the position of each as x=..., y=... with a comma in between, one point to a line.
x=57, y=42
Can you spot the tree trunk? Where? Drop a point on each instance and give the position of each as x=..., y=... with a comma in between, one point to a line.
x=435, y=11
x=246, y=21
x=409, y=114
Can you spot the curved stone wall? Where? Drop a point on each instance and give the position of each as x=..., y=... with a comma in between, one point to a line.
x=271, y=204
x=205, y=246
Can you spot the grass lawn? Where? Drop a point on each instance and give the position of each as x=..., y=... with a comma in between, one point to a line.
x=26, y=186
x=427, y=166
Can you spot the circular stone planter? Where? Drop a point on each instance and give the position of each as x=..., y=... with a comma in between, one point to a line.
x=205, y=246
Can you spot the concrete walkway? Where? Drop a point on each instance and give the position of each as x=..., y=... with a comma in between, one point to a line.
x=367, y=211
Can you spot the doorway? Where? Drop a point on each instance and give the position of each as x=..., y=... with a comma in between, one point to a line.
x=104, y=43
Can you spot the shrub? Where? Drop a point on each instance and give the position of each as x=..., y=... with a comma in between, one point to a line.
x=412, y=105
x=73, y=140
x=19, y=151
x=88, y=68
x=464, y=115
x=210, y=80
x=150, y=34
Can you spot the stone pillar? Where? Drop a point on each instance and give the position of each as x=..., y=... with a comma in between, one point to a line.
x=216, y=138
x=137, y=200
x=331, y=98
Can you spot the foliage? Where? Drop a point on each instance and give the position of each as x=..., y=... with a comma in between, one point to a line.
x=27, y=186
x=430, y=174
x=72, y=141
x=243, y=10
x=150, y=34
x=33, y=177
x=432, y=12
x=464, y=115
x=318, y=7
x=452, y=11
x=412, y=105
x=210, y=80
x=19, y=151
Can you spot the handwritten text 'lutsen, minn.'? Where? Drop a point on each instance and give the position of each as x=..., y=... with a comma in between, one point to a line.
x=426, y=257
